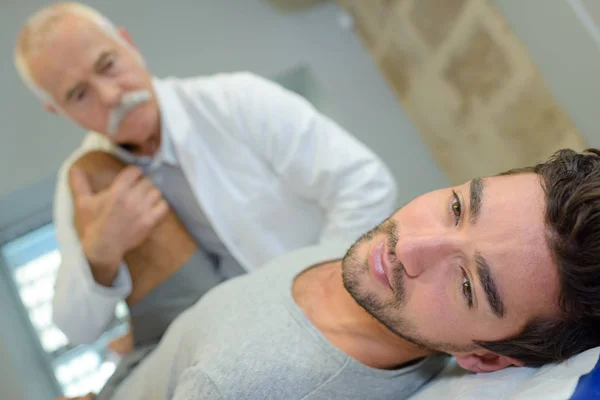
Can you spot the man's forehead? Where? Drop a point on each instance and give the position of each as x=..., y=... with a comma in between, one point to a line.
x=75, y=47
x=514, y=239
x=512, y=215
x=521, y=192
x=77, y=35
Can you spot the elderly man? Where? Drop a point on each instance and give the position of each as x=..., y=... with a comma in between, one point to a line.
x=251, y=170
x=492, y=272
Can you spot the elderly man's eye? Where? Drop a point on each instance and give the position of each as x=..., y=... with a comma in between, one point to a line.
x=108, y=65
x=80, y=95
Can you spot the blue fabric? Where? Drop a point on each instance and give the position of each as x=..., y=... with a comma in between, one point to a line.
x=588, y=387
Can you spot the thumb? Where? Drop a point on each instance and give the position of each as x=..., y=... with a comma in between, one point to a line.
x=80, y=185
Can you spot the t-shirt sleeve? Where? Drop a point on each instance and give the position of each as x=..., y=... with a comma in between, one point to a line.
x=195, y=384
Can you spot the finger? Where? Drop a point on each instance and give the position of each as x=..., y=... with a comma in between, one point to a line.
x=150, y=219
x=127, y=178
x=159, y=211
x=142, y=187
x=150, y=198
x=137, y=196
x=80, y=185
x=122, y=345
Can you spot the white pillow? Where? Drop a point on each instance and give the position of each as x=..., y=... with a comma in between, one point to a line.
x=550, y=382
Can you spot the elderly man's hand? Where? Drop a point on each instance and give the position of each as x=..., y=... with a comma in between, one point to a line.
x=122, y=345
x=114, y=221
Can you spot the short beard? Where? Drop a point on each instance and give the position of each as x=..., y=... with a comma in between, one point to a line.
x=355, y=270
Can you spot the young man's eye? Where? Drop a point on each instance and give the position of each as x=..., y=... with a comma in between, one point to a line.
x=467, y=290
x=456, y=207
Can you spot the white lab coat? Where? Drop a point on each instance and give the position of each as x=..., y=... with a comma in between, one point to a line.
x=269, y=171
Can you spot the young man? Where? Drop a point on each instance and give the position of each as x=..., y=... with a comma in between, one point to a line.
x=500, y=271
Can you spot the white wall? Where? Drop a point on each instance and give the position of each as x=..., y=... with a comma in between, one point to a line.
x=203, y=37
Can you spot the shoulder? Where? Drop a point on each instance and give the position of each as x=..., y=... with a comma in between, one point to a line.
x=195, y=383
x=91, y=142
x=224, y=81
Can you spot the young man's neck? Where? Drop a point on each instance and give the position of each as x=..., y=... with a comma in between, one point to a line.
x=321, y=294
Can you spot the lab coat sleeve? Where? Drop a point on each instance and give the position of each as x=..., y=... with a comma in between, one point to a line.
x=82, y=308
x=314, y=156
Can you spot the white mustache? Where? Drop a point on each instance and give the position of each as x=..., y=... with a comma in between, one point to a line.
x=128, y=102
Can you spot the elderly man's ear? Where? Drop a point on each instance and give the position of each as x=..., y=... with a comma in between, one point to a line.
x=50, y=108
x=126, y=36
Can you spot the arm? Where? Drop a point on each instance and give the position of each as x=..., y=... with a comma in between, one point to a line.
x=82, y=308
x=313, y=156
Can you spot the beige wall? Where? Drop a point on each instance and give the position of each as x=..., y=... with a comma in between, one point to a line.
x=467, y=83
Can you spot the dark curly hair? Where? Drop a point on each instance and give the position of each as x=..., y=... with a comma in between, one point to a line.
x=571, y=182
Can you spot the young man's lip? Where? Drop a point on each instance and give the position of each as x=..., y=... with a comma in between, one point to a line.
x=378, y=261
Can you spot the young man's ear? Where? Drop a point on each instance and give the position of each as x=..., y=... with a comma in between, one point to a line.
x=486, y=362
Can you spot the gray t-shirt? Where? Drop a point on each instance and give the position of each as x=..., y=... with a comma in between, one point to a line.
x=248, y=339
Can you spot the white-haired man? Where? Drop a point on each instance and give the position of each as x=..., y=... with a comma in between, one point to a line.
x=252, y=170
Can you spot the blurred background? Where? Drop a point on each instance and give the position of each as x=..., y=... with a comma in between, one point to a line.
x=442, y=90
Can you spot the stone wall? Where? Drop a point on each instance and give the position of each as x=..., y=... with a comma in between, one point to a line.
x=466, y=81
